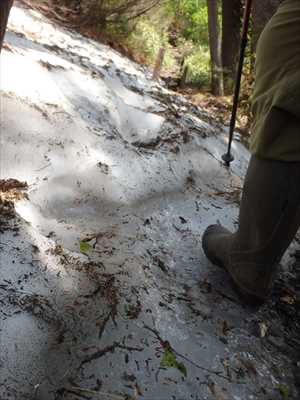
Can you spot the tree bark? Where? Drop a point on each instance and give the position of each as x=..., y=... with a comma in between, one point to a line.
x=5, y=6
x=159, y=63
x=262, y=13
x=231, y=37
x=215, y=48
x=184, y=76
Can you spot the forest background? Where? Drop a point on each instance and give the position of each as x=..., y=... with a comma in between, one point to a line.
x=193, y=45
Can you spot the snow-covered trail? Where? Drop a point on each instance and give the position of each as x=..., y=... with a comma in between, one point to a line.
x=128, y=173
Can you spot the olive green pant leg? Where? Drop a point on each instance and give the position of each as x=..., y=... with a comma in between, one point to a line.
x=268, y=221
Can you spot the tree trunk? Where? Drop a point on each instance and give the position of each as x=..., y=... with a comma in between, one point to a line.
x=184, y=76
x=159, y=63
x=262, y=13
x=215, y=48
x=5, y=6
x=231, y=37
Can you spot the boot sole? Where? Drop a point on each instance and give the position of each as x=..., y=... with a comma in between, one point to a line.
x=244, y=296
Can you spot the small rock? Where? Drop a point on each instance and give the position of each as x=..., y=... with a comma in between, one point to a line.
x=263, y=329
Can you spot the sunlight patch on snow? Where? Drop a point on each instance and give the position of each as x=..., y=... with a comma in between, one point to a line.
x=27, y=21
x=28, y=82
x=27, y=211
x=129, y=97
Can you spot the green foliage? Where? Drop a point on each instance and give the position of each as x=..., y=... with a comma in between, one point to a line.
x=198, y=29
x=187, y=19
x=120, y=27
x=198, y=63
x=84, y=247
x=169, y=360
x=113, y=10
x=196, y=22
x=146, y=39
x=284, y=391
x=191, y=19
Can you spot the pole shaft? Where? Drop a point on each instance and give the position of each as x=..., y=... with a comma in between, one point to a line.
x=244, y=40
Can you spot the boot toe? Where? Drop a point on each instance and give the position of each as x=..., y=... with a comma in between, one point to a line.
x=213, y=242
x=216, y=242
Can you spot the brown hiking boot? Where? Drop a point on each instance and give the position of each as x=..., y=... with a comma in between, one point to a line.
x=269, y=219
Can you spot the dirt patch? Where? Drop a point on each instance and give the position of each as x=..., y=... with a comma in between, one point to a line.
x=7, y=185
x=11, y=190
x=7, y=210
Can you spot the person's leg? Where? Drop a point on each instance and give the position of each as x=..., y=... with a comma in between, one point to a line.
x=269, y=219
x=5, y=6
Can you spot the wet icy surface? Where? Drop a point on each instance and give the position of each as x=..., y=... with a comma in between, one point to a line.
x=132, y=173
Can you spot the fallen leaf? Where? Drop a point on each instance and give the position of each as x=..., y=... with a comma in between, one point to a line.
x=288, y=299
x=169, y=360
x=84, y=247
x=284, y=391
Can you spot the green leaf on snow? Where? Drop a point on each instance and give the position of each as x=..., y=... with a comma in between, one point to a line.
x=169, y=360
x=284, y=391
x=84, y=247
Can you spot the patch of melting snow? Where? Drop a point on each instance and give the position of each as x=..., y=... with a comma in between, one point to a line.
x=124, y=177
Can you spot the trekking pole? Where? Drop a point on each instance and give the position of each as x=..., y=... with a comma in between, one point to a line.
x=228, y=157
